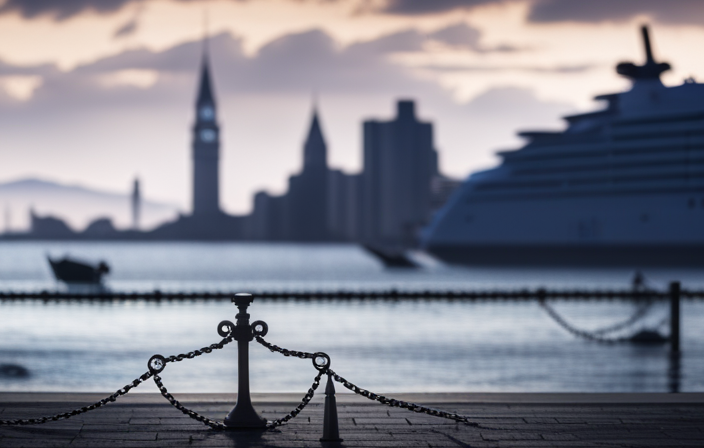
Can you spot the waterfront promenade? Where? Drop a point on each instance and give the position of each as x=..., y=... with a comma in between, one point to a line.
x=507, y=420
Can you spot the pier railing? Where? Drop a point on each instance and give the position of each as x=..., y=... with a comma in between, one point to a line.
x=344, y=294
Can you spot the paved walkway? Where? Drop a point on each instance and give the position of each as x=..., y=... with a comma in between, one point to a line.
x=510, y=420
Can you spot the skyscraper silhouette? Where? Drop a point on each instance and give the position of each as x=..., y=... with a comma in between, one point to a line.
x=307, y=201
x=206, y=149
x=399, y=166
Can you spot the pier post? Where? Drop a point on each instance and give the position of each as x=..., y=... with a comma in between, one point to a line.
x=331, y=432
x=243, y=414
x=675, y=317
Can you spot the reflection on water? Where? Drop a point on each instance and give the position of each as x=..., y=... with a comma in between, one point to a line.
x=249, y=266
x=384, y=346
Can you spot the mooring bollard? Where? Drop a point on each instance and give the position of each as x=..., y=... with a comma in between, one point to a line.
x=243, y=414
x=331, y=432
x=675, y=317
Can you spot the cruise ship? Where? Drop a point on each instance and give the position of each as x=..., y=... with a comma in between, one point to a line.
x=623, y=186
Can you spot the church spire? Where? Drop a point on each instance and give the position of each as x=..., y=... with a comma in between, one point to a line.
x=205, y=90
x=315, y=150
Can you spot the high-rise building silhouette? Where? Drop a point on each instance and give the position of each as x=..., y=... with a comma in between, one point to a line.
x=302, y=214
x=307, y=199
x=400, y=163
x=206, y=148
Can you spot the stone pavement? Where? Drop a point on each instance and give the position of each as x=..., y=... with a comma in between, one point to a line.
x=508, y=420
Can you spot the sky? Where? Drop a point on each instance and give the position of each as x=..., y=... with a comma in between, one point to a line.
x=97, y=92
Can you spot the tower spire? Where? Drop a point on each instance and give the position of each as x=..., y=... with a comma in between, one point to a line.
x=315, y=150
x=205, y=89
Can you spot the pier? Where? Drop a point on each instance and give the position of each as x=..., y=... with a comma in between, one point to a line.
x=511, y=420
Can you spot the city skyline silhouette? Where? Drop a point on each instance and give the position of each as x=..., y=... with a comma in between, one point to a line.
x=106, y=94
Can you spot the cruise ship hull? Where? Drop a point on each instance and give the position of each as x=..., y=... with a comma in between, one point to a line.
x=572, y=255
x=620, y=186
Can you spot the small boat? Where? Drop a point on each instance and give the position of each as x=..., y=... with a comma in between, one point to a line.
x=73, y=271
x=391, y=258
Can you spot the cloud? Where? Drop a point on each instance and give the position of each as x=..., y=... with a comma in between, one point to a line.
x=585, y=11
x=540, y=11
x=420, y=7
x=670, y=11
x=129, y=28
x=403, y=41
x=463, y=36
x=561, y=69
x=60, y=9
x=104, y=120
x=40, y=69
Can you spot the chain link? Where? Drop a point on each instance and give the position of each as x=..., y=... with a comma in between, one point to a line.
x=322, y=369
x=283, y=351
x=404, y=404
x=36, y=421
x=208, y=349
x=193, y=414
x=304, y=402
x=137, y=381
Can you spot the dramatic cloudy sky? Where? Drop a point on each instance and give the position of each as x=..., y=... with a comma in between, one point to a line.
x=95, y=92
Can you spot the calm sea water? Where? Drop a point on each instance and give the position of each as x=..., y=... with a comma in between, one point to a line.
x=382, y=346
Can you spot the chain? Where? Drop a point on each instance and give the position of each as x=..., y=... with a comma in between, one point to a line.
x=304, y=402
x=193, y=414
x=404, y=404
x=283, y=351
x=139, y=380
x=597, y=335
x=321, y=361
x=160, y=364
x=194, y=353
x=639, y=314
x=36, y=421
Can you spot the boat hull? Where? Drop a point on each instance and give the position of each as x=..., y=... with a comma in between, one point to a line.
x=571, y=255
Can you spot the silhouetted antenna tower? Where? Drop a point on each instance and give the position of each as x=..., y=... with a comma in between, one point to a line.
x=136, y=204
x=7, y=219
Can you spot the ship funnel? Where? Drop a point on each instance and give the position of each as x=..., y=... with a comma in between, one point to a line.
x=649, y=70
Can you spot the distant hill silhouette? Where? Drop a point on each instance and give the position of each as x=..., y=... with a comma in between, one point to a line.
x=75, y=204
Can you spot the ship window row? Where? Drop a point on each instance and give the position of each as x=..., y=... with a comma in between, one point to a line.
x=605, y=151
x=679, y=118
x=641, y=135
x=602, y=191
x=608, y=180
x=608, y=166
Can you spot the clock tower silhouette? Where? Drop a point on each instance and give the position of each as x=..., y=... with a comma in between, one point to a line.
x=206, y=149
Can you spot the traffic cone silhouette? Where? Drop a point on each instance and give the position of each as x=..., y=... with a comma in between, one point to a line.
x=331, y=433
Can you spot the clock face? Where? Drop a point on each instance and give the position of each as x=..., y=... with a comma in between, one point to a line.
x=207, y=113
x=208, y=135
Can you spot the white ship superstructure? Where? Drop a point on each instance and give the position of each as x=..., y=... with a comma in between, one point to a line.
x=623, y=185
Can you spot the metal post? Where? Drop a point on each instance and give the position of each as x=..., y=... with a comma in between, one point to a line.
x=331, y=432
x=243, y=414
x=675, y=317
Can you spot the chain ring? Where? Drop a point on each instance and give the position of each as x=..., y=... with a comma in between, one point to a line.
x=230, y=328
x=264, y=328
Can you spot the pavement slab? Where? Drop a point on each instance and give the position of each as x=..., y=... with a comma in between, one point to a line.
x=505, y=420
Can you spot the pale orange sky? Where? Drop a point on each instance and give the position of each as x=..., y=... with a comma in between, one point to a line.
x=555, y=67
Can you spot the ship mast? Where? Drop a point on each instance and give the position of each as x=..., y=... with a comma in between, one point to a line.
x=651, y=70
